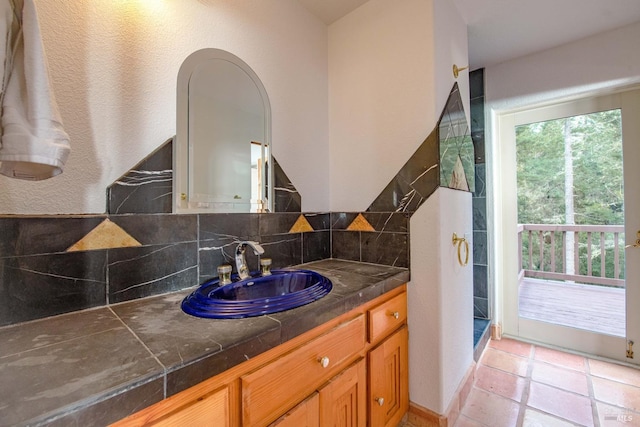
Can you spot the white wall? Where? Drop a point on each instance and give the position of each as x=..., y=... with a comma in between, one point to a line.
x=451, y=47
x=441, y=291
x=114, y=66
x=592, y=65
x=440, y=300
x=381, y=103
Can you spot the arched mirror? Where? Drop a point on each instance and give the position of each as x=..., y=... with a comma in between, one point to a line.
x=222, y=160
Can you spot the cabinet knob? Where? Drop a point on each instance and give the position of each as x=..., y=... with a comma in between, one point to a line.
x=395, y=315
x=380, y=400
x=324, y=361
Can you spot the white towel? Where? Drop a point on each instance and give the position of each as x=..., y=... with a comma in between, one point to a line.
x=34, y=143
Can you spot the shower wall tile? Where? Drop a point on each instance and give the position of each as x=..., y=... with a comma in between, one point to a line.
x=476, y=83
x=481, y=180
x=480, y=248
x=479, y=213
x=480, y=307
x=480, y=281
x=477, y=128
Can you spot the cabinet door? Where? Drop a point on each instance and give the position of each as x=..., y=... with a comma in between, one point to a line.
x=306, y=414
x=389, y=380
x=343, y=399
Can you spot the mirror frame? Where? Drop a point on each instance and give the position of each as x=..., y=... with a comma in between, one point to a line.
x=181, y=145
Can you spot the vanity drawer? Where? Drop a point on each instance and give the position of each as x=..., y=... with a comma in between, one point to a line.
x=272, y=389
x=197, y=406
x=387, y=317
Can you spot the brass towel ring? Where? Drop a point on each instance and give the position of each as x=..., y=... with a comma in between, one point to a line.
x=636, y=244
x=459, y=241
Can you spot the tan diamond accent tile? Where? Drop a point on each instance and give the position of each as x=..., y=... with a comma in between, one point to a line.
x=301, y=226
x=360, y=224
x=105, y=236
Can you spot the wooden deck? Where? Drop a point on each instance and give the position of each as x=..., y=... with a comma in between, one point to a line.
x=595, y=308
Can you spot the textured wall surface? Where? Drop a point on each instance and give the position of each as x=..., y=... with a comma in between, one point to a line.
x=380, y=96
x=114, y=66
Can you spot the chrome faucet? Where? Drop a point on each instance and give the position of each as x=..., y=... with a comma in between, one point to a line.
x=241, y=262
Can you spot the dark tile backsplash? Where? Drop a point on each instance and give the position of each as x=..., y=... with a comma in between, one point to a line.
x=147, y=187
x=39, y=277
x=37, y=286
x=388, y=244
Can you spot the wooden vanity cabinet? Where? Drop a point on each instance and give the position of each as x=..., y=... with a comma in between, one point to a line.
x=388, y=380
x=388, y=362
x=351, y=371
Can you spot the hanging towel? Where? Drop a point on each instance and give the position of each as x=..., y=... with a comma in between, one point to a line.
x=34, y=144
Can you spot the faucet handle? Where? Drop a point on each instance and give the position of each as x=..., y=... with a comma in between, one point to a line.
x=224, y=274
x=257, y=248
x=265, y=266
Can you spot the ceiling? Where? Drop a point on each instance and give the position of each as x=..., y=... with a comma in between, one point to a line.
x=500, y=30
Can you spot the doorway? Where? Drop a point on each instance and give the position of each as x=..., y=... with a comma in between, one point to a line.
x=567, y=279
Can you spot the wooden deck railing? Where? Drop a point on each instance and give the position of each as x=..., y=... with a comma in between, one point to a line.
x=596, y=255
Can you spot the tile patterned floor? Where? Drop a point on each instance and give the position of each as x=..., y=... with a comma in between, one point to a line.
x=519, y=384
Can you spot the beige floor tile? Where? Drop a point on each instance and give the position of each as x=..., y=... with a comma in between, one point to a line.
x=490, y=409
x=533, y=418
x=560, y=403
x=615, y=393
x=466, y=422
x=557, y=392
x=566, y=379
x=499, y=382
x=505, y=361
x=555, y=357
x=612, y=371
x=511, y=346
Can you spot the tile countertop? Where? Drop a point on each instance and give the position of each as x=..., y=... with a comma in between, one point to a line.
x=97, y=366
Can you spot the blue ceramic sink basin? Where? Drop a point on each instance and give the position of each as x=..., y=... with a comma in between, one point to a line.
x=255, y=296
